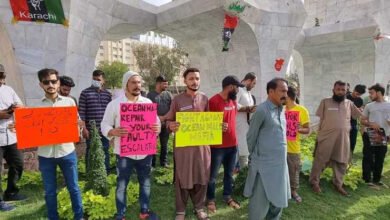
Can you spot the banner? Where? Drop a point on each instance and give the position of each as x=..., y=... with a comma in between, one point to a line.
x=292, y=118
x=199, y=128
x=39, y=127
x=137, y=119
x=49, y=11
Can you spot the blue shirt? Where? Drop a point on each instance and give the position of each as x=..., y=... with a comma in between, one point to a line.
x=92, y=104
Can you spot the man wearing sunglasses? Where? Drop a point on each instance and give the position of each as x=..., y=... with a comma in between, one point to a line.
x=63, y=155
x=9, y=100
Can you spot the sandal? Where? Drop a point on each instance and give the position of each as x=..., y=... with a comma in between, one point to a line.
x=201, y=215
x=211, y=207
x=233, y=203
x=297, y=198
x=180, y=216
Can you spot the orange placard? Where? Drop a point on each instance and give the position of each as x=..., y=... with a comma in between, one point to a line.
x=38, y=127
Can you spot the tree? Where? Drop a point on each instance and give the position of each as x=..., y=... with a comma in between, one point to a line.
x=96, y=176
x=113, y=73
x=153, y=60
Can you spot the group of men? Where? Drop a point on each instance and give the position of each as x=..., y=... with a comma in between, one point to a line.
x=268, y=141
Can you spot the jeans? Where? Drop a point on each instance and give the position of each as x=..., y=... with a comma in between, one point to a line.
x=164, y=137
x=14, y=159
x=353, y=134
x=373, y=159
x=68, y=166
x=227, y=157
x=106, y=146
x=124, y=168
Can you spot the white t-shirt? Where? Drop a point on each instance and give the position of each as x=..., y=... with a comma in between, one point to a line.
x=7, y=97
x=379, y=112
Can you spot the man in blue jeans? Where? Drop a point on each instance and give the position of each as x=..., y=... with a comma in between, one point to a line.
x=92, y=104
x=110, y=127
x=226, y=153
x=62, y=155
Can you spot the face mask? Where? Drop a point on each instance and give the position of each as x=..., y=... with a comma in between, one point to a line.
x=96, y=84
x=338, y=98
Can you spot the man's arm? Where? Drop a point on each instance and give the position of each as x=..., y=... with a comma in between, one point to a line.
x=255, y=125
x=83, y=106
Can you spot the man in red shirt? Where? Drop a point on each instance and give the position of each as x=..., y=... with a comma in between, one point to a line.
x=226, y=152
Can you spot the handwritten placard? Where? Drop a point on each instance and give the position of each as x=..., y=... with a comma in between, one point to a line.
x=39, y=127
x=199, y=128
x=138, y=119
x=292, y=118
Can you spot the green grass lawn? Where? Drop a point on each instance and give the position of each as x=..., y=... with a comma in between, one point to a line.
x=364, y=203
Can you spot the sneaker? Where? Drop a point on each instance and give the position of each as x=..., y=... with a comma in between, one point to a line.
x=148, y=215
x=4, y=207
x=14, y=197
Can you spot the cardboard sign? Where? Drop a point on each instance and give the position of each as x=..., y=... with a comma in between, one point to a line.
x=138, y=119
x=39, y=127
x=292, y=118
x=199, y=128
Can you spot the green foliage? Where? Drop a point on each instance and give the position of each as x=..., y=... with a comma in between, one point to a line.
x=163, y=176
x=30, y=179
x=352, y=178
x=153, y=60
x=113, y=73
x=96, y=176
x=240, y=181
x=96, y=206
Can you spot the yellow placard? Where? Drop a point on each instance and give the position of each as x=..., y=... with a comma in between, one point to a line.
x=199, y=128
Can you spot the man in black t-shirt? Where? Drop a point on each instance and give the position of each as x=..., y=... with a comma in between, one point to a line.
x=358, y=91
x=163, y=99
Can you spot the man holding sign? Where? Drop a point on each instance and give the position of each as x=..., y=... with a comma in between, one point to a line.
x=132, y=121
x=298, y=122
x=226, y=152
x=192, y=163
x=63, y=154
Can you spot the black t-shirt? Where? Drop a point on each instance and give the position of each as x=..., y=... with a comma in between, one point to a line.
x=357, y=101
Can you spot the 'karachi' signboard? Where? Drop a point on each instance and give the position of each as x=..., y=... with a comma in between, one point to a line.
x=38, y=11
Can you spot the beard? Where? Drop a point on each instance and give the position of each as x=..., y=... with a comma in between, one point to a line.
x=193, y=89
x=232, y=95
x=338, y=98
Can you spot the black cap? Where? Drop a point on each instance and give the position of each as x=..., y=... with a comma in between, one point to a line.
x=231, y=80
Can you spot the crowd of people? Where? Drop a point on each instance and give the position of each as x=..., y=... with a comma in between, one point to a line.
x=265, y=138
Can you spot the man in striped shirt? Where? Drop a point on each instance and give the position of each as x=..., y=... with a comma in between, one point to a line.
x=92, y=104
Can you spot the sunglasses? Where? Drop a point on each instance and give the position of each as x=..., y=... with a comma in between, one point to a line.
x=47, y=82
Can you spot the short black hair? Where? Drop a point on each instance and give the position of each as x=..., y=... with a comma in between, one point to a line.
x=340, y=83
x=292, y=93
x=273, y=84
x=66, y=81
x=251, y=76
x=190, y=70
x=98, y=73
x=43, y=73
x=161, y=78
x=361, y=89
x=378, y=88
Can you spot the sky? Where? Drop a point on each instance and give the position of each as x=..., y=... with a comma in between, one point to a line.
x=157, y=2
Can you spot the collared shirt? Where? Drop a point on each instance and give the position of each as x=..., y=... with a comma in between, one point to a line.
x=7, y=97
x=92, y=104
x=56, y=150
x=266, y=136
x=111, y=120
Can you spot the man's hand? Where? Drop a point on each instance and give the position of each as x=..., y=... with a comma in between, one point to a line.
x=12, y=127
x=85, y=133
x=4, y=114
x=156, y=127
x=374, y=126
x=174, y=126
x=252, y=109
x=118, y=132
